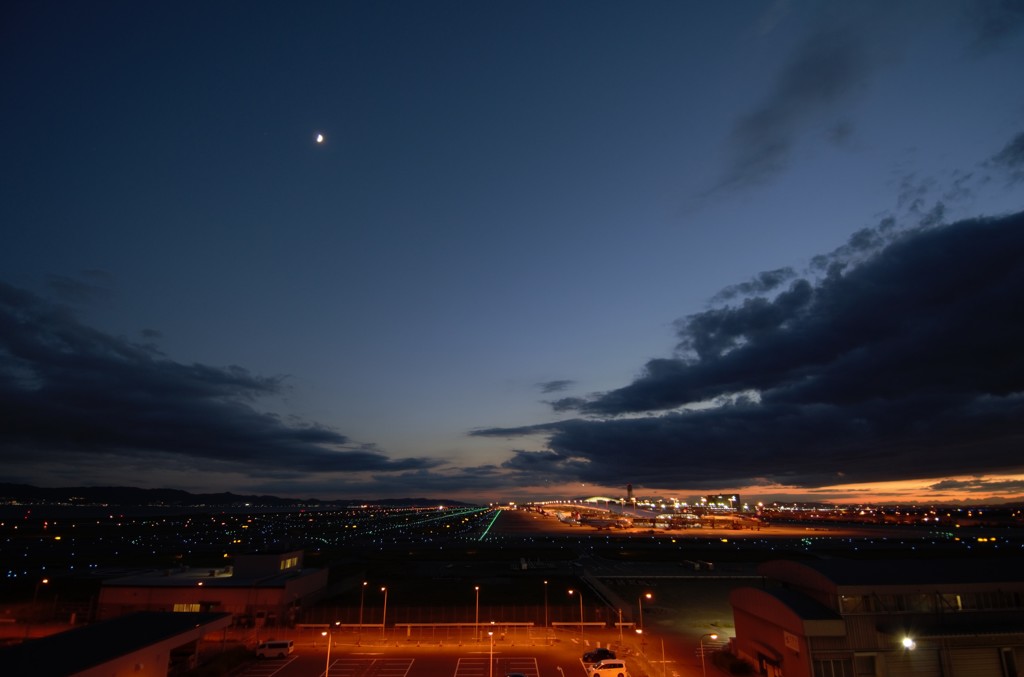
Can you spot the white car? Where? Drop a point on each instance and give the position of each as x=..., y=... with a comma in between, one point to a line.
x=609, y=667
x=275, y=648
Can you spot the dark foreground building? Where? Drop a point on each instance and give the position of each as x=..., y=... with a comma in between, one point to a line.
x=921, y=618
x=146, y=644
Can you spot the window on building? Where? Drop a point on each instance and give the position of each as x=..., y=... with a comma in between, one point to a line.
x=892, y=603
x=951, y=602
x=191, y=608
x=833, y=667
x=864, y=665
x=921, y=602
x=993, y=599
x=289, y=563
x=854, y=604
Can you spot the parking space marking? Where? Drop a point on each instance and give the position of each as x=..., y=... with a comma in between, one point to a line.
x=371, y=667
x=480, y=667
x=267, y=668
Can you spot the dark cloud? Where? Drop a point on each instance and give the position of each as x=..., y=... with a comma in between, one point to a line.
x=1011, y=159
x=905, y=364
x=70, y=395
x=827, y=70
x=993, y=22
x=568, y=403
x=979, y=485
x=555, y=386
x=841, y=133
x=926, y=200
x=762, y=283
x=87, y=287
x=818, y=87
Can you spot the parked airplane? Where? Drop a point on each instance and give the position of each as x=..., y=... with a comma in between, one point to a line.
x=568, y=517
x=607, y=522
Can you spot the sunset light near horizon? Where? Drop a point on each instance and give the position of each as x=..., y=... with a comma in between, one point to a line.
x=512, y=251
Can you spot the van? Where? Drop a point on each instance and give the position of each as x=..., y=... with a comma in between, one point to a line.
x=275, y=648
x=609, y=667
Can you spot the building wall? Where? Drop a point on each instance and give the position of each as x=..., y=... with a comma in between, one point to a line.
x=764, y=643
x=264, y=565
x=278, y=603
x=152, y=661
x=307, y=589
x=967, y=615
x=119, y=600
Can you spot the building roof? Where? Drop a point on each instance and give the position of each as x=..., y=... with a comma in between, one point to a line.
x=797, y=603
x=187, y=578
x=792, y=610
x=946, y=628
x=77, y=650
x=880, y=573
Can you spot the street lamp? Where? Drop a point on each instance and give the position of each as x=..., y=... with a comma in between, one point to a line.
x=490, y=658
x=476, y=622
x=640, y=630
x=581, y=610
x=545, y=606
x=384, y=618
x=329, y=635
x=362, y=596
x=703, y=667
x=640, y=603
x=35, y=596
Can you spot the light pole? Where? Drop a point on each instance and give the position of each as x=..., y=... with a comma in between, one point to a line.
x=35, y=596
x=640, y=603
x=35, y=593
x=580, y=593
x=545, y=607
x=703, y=667
x=384, y=618
x=491, y=657
x=476, y=621
x=329, y=634
x=362, y=596
x=640, y=630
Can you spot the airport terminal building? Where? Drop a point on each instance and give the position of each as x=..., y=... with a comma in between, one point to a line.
x=921, y=618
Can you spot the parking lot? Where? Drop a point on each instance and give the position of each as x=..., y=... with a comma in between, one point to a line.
x=556, y=660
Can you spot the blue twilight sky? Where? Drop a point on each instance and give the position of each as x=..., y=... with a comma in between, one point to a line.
x=543, y=247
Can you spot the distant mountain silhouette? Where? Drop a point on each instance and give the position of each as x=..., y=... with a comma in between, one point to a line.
x=25, y=493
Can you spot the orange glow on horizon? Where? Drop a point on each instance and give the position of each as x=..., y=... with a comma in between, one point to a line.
x=960, y=489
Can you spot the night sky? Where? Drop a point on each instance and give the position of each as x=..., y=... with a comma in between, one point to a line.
x=539, y=249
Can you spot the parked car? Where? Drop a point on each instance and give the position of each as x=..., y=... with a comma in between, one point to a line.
x=598, y=654
x=610, y=667
x=275, y=648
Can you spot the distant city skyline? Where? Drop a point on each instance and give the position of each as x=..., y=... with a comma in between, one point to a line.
x=515, y=250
